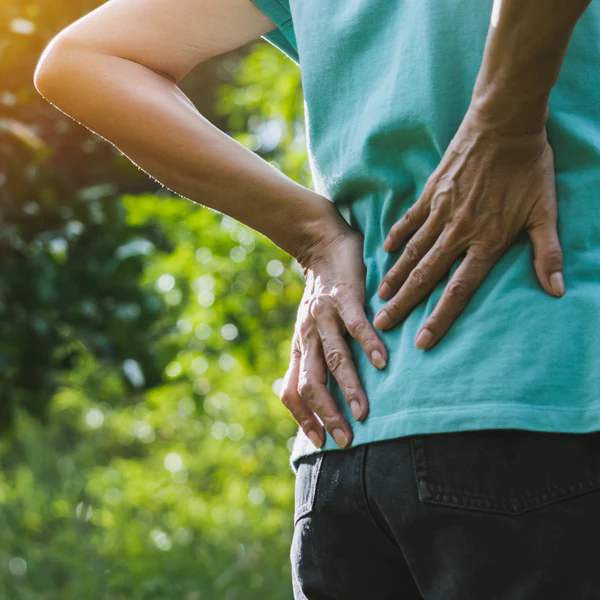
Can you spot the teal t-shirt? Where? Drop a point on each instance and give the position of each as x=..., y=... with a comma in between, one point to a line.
x=386, y=86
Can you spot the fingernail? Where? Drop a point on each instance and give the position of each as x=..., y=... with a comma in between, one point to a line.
x=382, y=319
x=424, y=339
x=315, y=438
x=384, y=291
x=557, y=284
x=377, y=359
x=356, y=410
x=386, y=244
x=340, y=438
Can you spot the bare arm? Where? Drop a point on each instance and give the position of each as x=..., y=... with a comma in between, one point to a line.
x=525, y=48
x=116, y=71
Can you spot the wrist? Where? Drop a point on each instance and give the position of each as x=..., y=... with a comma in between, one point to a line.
x=310, y=238
x=509, y=112
x=507, y=144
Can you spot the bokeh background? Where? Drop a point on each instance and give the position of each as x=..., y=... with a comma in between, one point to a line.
x=144, y=452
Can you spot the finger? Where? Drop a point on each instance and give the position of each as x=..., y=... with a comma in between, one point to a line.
x=548, y=255
x=457, y=294
x=312, y=387
x=415, y=250
x=422, y=280
x=291, y=399
x=413, y=218
x=351, y=311
x=341, y=364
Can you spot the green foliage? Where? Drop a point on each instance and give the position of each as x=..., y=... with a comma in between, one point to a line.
x=182, y=489
x=264, y=107
x=144, y=452
x=63, y=283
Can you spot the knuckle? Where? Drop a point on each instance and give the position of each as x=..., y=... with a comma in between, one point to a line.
x=316, y=307
x=501, y=239
x=306, y=328
x=335, y=359
x=306, y=389
x=480, y=253
x=494, y=240
x=449, y=243
x=392, y=308
x=288, y=398
x=554, y=255
x=296, y=347
x=410, y=218
x=420, y=279
x=439, y=205
x=482, y=248
x=412, y=252
x=458, y=291
x=350, y=393
x=444, y=191
x=356, y=326
x=329, y=415
x=433, y=323
x=305, y=420
x=331, y=419
x=448, y=246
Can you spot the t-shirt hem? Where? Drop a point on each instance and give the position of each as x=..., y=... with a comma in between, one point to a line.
x=282, y=36
x=459, y=418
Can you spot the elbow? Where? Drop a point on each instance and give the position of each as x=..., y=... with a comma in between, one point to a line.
x=52, y=69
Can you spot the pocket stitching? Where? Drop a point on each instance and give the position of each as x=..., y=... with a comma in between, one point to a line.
x=526, y=503
x=551, y=490
x=546, y=495
x=307, y=507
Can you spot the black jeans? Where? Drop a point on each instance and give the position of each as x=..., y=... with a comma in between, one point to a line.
x=473, y=515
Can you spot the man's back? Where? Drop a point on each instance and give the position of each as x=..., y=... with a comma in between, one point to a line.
x=386, y=87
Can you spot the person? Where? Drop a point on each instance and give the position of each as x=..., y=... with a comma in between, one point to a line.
x=445, y=365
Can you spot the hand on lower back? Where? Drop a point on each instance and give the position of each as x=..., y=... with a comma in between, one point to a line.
x=486, y=189
x=332, y=306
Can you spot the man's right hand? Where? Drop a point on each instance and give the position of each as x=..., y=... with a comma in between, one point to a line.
x=332, y=305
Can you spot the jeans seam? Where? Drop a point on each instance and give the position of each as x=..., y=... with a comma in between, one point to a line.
x=358, y=467
x=363, y=493
x=419, y=466
x=296, y=585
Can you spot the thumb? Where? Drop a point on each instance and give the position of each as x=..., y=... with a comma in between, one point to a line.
x=548, y=256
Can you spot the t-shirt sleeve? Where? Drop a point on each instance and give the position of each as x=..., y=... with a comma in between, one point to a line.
x=283, y=36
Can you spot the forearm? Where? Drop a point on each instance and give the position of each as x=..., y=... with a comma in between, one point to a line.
x=148, y=118
x=525, y=48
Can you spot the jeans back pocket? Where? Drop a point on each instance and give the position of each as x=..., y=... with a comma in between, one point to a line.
x=506, y=471
x=305, y=489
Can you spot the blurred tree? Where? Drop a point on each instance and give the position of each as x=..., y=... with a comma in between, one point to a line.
x=264, y=109
x=61, y=277
x=181, y=490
